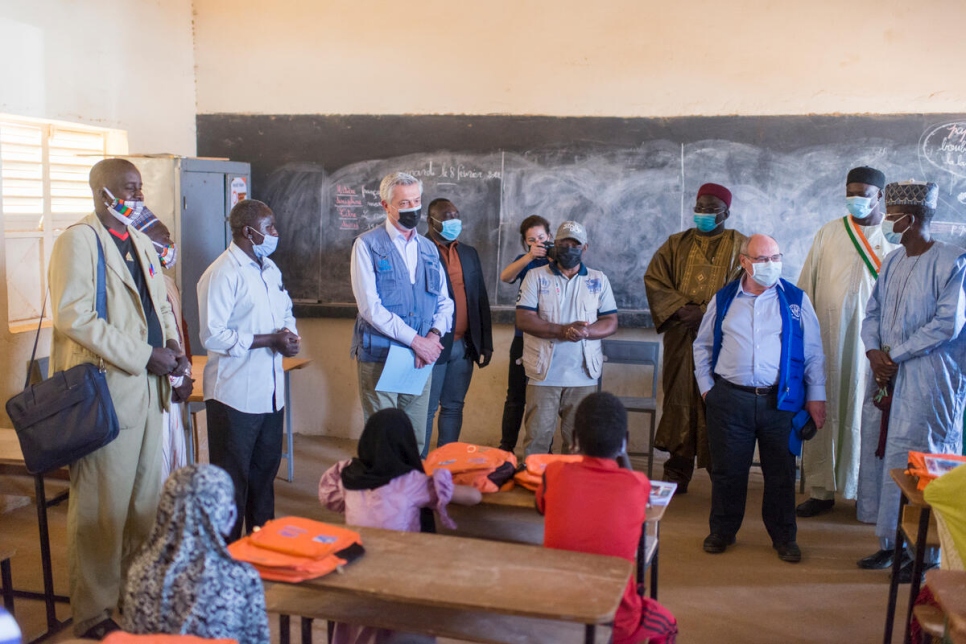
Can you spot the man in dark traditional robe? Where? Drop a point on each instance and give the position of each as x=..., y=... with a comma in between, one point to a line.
x=682, y=277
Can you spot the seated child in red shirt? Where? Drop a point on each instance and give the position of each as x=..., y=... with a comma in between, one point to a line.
x=596, y=506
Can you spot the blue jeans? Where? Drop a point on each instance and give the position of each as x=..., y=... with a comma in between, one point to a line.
x=451, y=381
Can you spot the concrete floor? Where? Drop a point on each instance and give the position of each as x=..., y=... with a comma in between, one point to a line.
x=745, y=595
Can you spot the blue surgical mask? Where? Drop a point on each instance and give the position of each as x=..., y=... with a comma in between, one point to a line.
x=859, y=207
x=705, y=223
x=450, y=229
x=766, y=273
x=889, y=230
x=267, y=247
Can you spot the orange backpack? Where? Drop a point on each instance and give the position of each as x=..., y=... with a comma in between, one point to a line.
x=294, y=549
x=929, y=467
x=532, y=473
x=488, y=469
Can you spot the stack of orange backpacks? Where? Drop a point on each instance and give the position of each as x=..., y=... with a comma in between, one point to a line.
x=488, y=469
x=294, y=549
x=531, y=474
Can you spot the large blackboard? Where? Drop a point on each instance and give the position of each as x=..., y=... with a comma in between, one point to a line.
x=630, y=181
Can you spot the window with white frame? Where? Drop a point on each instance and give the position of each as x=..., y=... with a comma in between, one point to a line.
x=44, y=168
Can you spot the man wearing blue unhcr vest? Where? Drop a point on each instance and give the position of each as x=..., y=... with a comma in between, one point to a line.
x=758, y=361
x=401, y=294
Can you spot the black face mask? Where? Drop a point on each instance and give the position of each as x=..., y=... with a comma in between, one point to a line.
x=568, y=257
x=409, y=218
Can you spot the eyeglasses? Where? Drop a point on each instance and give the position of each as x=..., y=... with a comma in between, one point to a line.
x=708, y=210
x=760, y=260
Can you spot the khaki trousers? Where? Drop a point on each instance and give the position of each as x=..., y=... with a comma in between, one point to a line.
x=114, y=494
x=416, y=407
x=544, y=406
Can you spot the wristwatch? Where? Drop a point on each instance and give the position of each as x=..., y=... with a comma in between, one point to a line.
x=436, y=331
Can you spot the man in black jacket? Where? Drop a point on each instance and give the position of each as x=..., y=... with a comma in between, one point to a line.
x=471, y=338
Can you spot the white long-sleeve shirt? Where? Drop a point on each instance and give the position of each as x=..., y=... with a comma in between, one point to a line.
x=370, y=304
x=238, y=299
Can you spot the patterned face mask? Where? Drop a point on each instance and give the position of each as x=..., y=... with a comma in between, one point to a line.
x=124, y=211
x=167, y=254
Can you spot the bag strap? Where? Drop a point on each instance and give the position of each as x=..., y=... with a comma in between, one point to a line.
x=100, y=300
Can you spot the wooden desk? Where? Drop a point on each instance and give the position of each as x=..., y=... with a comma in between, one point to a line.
x=949, y=589
x=433, y=583
x=6, y=579
x=198, y=396
x=522, y=498
x=921, y=533
x=12, y=463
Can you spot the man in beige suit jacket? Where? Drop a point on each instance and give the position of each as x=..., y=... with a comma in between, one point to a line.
x=114, y=491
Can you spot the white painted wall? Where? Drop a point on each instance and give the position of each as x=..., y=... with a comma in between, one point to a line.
x=124, y=64
x=574, y=58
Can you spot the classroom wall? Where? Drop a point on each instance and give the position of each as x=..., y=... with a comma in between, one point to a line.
x=559, y=58
x=574, y=58
x=125, y=64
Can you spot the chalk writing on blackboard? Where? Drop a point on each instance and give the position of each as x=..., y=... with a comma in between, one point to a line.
x=944, y=146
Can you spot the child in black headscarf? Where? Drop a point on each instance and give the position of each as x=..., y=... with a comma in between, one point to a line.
x=386, y=487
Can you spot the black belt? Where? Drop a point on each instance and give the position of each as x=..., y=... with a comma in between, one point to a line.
x=758, y=391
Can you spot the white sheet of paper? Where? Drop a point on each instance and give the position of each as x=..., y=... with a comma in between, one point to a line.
x=400, y=375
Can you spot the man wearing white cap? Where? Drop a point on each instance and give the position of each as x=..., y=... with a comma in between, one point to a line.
x=563, y=309
x=914, y=341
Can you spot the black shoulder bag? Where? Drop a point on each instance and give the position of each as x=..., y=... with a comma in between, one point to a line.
x=70, y=414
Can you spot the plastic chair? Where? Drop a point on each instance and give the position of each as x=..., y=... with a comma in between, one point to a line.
x=643, y=354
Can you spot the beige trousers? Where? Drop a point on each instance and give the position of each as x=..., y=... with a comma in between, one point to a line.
x=416, y=407
x=114, y=495
x=544, y=406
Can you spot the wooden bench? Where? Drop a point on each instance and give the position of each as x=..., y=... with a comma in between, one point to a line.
x=471, y=589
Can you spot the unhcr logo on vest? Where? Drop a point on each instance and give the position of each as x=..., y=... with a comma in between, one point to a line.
x=796, y=311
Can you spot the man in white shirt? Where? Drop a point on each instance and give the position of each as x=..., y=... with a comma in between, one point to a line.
x=564, y=310
x=400, y=288
x=247, y=326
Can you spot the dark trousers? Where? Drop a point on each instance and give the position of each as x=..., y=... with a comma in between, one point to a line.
x=249, y=448
x=736, y=419
x=516, y=397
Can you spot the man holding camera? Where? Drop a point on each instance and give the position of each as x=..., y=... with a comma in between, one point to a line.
x=681, y=279
x=564, y=309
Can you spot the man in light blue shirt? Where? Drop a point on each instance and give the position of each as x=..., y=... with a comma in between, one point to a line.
x=758, y=361
x=399, y=284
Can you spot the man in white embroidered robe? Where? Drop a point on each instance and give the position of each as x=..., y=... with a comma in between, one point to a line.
x=838, y=276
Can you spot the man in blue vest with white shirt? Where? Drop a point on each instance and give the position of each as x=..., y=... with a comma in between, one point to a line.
x=758, y=361
x=400, y=289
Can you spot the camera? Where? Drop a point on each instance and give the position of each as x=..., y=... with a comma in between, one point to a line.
x=548, y=246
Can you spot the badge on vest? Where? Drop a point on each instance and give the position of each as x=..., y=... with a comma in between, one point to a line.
x=594, y=285
x=796, y=311
x=383, y=266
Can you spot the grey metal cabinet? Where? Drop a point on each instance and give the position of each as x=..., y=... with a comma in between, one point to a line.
x=193, y=198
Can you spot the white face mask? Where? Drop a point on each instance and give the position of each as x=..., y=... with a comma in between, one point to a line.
x=766, y=273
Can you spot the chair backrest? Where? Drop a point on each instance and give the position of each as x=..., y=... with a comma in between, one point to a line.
x=634, y=352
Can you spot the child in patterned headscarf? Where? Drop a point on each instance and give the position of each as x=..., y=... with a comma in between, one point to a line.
x=183, y=581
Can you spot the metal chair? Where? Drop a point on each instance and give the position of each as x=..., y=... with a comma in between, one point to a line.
x=643, y=354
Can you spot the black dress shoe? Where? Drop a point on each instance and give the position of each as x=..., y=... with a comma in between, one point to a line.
x=905, y=572
x=101, y=630
x=814, y=507
x=789, y=552
x=716, y=543
x=877, y=561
